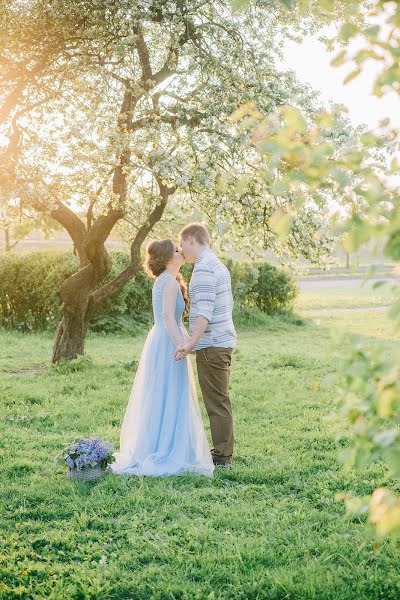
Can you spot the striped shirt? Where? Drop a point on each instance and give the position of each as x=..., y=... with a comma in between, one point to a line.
x=211, y=297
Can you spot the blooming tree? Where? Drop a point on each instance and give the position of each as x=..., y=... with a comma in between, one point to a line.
x=119, y=110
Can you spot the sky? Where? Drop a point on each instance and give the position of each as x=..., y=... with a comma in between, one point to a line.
x=311, y=62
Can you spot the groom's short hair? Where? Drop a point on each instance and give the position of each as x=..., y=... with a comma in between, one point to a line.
x=198, y=231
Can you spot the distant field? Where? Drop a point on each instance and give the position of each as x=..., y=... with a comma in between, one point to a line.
x=351, y=293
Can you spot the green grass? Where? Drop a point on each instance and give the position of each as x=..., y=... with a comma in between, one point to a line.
x=270, y=528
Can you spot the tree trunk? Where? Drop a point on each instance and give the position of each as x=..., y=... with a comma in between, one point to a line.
x=6, y=239
x=75, y=294
x=70, y=336
x=8, y=246
x=69, y=341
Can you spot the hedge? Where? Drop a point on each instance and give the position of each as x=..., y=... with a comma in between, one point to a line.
x=29, y=282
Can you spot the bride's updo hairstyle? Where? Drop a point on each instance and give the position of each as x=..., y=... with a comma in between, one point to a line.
x=158, y=255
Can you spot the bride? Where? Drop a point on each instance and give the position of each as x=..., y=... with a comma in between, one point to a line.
x=162, y=431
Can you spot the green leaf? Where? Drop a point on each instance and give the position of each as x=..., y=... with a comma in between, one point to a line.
x=390, y=76
x=281, y=223
x=372, y=32
x=267, y=146
x=362, y=457
x=279, y=187
x=352, y=75
x=339, y=59
x=392, y=457
x=395, y=310
x=366, y=53
x=347, y=31
x=392, y=247
x=287, y=3
x=294, y=119
x=359, y=232
x=239, y=4
x=394, y=165
x=327, y=4
x=242, y=184
x=269, y=175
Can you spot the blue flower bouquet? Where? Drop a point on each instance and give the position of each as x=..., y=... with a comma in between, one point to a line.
x=86, y=458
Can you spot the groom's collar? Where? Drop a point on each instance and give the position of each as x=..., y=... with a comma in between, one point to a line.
x=202, y=254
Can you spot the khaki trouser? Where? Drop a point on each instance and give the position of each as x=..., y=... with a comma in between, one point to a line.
x=213, y=369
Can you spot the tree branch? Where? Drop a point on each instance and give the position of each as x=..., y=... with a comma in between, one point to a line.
x=171, y=62
x=122, y=278
x=75, y=227
x=89, y=214
x=144, y=56
x=12, y=99
x=169, y=118
x=100, y=231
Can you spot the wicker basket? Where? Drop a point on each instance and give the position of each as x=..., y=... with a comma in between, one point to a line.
x=86, y=474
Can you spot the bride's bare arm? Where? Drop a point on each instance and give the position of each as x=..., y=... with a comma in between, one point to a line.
x=168, y=313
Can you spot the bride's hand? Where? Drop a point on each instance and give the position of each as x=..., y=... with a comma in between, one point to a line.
x=183, y=351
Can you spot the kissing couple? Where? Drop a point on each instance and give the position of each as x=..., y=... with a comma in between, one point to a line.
x=162, y=432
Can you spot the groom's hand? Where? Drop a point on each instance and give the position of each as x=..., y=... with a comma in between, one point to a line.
x=183, y=351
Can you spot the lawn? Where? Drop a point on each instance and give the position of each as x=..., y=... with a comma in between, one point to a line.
x=270, y=528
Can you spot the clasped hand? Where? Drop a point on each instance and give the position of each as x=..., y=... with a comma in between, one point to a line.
x=183, y=351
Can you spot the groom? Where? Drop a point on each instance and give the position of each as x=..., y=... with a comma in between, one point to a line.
x=213, y=335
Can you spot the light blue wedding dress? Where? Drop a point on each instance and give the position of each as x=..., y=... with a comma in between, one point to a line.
x=162, y=431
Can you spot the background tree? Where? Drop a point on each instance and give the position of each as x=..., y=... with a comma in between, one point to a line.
x=16, y=226
x=131, y=106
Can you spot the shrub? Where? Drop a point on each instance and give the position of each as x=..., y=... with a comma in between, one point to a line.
x=244, y=277
x=28, y=288
x=275, y=290
x=29, y=300
x=261, y=285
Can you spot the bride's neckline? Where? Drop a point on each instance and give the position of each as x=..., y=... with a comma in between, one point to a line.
x=166, y=273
